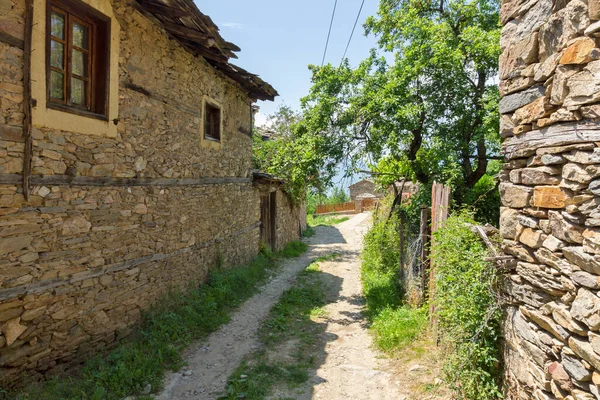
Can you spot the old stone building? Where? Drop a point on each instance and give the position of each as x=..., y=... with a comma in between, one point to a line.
x=366, y=186
x=550, y=220
x=125, y=169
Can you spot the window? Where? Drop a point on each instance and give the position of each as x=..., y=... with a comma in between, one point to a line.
x=212, y=122
x=77, y=58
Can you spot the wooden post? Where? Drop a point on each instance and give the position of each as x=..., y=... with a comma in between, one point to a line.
x=27, y=152
x=440, y=200
x=424, y=235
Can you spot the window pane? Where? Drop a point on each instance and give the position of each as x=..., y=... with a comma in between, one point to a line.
x=57, y=54
x=57, y=22
x=56, y=85
x=80, y=35
x=77, y=91
x=79, y=63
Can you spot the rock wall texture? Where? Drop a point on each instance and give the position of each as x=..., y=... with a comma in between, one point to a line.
x=364, y=186
x=290, y=220
x=550, y=187
x=113, y=223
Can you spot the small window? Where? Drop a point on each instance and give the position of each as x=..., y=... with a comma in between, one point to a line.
x=77, y=58
x=212, y=122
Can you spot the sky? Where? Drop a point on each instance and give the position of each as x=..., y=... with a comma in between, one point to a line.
x=279, y=38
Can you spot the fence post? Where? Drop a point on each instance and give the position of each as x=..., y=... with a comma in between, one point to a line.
x=440, y=200
x=424, y=235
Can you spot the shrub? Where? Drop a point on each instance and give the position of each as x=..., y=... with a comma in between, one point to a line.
x=468, y=311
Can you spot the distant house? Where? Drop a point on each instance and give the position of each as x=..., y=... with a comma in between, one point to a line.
x=366, y=186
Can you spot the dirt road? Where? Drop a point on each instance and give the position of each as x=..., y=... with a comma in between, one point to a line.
x=349, y=367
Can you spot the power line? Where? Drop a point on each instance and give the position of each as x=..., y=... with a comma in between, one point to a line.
x=352, y=34
x=329, y=34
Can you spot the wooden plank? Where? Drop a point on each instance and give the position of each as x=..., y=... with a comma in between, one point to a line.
x=553, y=135
x=163, y=9
x=189, y=33
x=66, y=180
x=28, y=148
x=11, y=40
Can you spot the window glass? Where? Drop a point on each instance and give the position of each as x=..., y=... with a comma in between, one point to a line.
x=57, y=52
x=57, y=22
x=56, y=85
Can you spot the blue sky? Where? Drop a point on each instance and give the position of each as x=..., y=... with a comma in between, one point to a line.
x=280, y=38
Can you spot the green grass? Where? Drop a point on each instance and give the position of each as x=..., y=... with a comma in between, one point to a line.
x=395, y=325
x=166, y=330
x=289, y=322
x=396, y=328
x=325, y=220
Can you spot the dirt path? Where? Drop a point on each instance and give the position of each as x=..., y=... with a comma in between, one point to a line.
x=349, y=367
x=352, y=369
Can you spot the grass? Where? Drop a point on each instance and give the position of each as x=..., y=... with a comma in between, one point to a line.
x=166, y=330
x=396, y=328
x=325, y=220
x=291, y=322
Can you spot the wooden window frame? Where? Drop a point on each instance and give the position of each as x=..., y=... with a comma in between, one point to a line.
x=98, y=58
x=207, y=136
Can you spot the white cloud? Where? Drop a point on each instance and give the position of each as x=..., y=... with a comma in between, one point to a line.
x=233, y=25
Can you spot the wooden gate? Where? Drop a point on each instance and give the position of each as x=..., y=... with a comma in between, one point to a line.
x=267, y=219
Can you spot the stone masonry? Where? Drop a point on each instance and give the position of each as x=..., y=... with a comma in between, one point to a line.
x=114, y=222
x=550, y=187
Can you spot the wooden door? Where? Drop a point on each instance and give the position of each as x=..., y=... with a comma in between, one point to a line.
x=267, y=219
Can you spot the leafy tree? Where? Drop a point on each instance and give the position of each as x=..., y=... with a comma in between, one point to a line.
x=301, y=160
x=429, y=114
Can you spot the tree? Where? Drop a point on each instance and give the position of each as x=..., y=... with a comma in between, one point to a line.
x=432, y=112
x=301, y=160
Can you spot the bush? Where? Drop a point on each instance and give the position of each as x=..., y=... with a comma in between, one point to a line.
x=468, y=311
x=394, y=324
x=381, y=265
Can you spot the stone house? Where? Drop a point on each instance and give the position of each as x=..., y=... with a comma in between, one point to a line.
x=125, y=169
x=366, y=186
x=550, y=190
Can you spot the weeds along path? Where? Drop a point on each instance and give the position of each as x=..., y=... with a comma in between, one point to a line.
x=211, y=362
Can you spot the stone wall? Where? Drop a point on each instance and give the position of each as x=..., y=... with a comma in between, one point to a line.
x=290, y=220
x=114, y=222
x=550, y=220
x=364, y=186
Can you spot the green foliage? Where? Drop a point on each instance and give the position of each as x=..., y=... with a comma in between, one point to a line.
x=396, y=328
x=289, y=321
x=469, y=314
x=381, y=264
x=298, y=158
x=294, y=249
x=432, y=113
x=324, y=220
x=394, y=324
x=166, y=330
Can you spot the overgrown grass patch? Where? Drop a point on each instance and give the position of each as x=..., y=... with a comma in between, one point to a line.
x=394, y=325
x=469, y=312
x=167, y=328
x=325, y=220
x=289, y=335
x=396, y=328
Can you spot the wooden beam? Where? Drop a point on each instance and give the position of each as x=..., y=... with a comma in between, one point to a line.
x=28, y=148
x=163, y=9
x=11, y=40
x=66, y=180
x=189, y=33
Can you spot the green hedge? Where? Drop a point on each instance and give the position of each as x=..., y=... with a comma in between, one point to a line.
x=468, y=311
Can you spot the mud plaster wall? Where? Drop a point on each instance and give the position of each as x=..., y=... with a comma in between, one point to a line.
x=550, y=187
x=89, y=251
